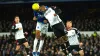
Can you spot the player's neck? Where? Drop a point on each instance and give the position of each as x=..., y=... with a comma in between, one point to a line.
x=46, y=9
x=17, y=22
x=69, y=28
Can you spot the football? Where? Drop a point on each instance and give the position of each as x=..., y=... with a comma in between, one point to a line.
x=35, y=6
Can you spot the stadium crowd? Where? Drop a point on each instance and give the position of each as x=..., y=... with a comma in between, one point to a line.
x=5, y=25
x=91, y=46
x=82, y=25
x=87, y=24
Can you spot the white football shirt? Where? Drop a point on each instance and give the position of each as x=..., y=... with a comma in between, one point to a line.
x=19, y=34
x=49, y=15
x=73, y=37
x=44, y=29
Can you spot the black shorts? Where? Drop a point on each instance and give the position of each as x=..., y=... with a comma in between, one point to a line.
x=21, y=41
x=59, y=29
x=75, y=47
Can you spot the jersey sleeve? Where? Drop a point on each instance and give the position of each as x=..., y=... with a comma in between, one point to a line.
x=14, y=28
x=78, y=33
x=56, y=9
x=34, y=12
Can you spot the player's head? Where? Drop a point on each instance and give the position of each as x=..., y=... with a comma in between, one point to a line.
x=16, y=19
x=42, y=8
x=69, y=24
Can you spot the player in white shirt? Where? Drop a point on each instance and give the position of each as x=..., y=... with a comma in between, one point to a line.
x=19, y=35
x=55, y=22
x=73, y=35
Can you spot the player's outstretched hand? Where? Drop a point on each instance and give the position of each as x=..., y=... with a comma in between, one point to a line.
x=34, y=18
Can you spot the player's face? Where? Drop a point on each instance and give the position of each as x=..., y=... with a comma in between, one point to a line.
x=42, y=8
x=17, y=19
x=69, y=24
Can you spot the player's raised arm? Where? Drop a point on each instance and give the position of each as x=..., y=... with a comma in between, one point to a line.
x=35, y=14
x=56, y=9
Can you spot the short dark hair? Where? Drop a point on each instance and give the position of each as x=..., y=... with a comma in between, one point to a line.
x=69, y=21
x=16, y=16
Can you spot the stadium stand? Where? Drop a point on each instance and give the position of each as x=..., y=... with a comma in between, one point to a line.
x=7, y=46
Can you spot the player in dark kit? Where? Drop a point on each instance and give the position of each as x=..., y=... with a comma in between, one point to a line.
x=41, y=29
x=19, y=36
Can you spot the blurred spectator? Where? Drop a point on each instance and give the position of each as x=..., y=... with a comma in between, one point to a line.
x=5, y=26
x=51, y=48
x=29, y=25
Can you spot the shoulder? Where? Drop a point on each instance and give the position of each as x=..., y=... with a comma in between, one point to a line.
x=19, y=23
x=50, y=8
x=74, y=28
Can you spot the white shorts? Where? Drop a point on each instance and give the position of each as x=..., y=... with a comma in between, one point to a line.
x=43, y=28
